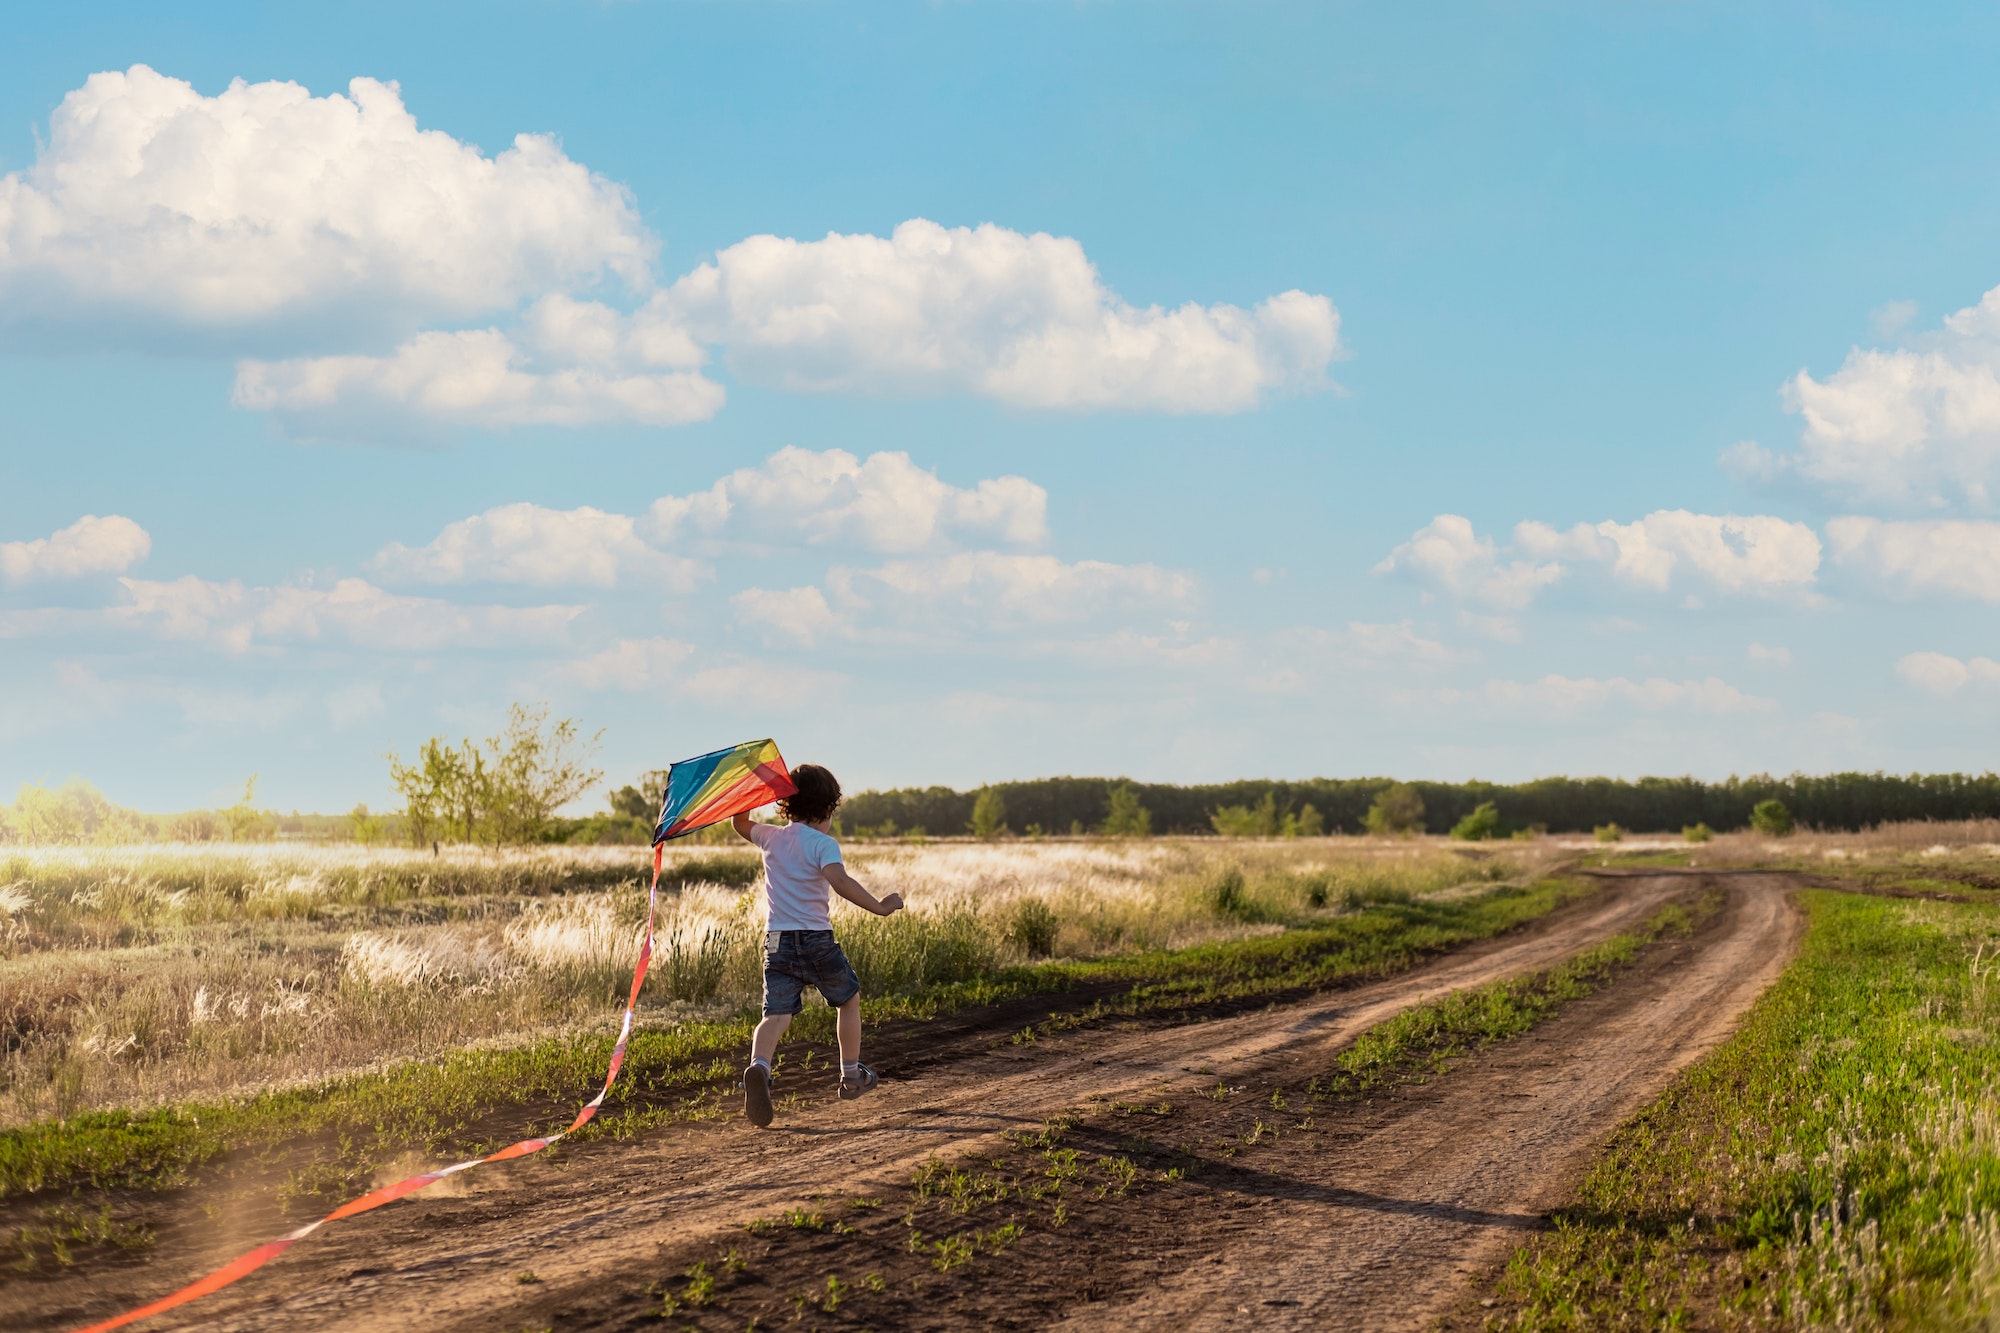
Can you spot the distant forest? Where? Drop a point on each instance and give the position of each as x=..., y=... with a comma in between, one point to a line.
x=1561, y=805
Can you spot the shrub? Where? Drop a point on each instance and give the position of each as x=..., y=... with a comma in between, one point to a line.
x=1608, y=833
x=1482, y=824
x=1697, y=833
x=1248, y=821
x=1226, y=896
x=1033, y=928
x=1771, y=818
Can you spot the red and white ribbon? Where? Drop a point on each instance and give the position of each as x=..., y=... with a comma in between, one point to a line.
x=247, y=1264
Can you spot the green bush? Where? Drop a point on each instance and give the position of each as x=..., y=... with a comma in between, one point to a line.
x=1033, y=928
x=1697, y=833
x=1248, y=821
x=1482, y=824
x=1771, y=818
x=1226, y=896
x=1608, y=833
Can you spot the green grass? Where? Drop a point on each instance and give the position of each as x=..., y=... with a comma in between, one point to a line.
x=474, y=1099
x=1836, y=1164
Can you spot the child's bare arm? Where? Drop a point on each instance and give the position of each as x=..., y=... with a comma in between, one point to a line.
x=847, y=887
x=742, y=826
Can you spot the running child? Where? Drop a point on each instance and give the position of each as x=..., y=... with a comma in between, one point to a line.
x=801, y=864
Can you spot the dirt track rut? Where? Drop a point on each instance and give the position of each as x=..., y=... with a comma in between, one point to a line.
x=1380, y=1236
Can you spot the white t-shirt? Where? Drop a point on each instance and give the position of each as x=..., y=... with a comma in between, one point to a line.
x=795, y=889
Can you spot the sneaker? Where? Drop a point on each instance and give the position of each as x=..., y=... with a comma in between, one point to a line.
x=863, y=1081
x=757, y=1095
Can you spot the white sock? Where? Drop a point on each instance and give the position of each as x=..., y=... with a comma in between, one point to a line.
x=760, y=1060
x=848, y=1069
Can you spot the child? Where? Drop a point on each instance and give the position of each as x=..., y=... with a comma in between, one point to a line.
x=801, y=862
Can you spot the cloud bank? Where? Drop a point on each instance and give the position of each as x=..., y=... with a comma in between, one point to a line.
x=1731, y=553
x=411, y=279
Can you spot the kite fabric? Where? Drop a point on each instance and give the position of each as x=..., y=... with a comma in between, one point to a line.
x=716, y=786
x=263, y=1254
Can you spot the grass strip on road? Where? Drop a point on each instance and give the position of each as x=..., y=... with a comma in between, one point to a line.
x=1119, y=1181
x=439, y=1107
x=1835, y=1164
x=1425, y=1041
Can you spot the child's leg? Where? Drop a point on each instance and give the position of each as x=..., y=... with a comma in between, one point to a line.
x=764, y=1042
x=850, y=1030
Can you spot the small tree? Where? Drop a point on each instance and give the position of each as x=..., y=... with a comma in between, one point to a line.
x=641, y=799
x=1482, y=824
x=1126, y=817
x=246, y=822
x=1305, y=824
x=989, y=813
x=367, y=828
x=1396, y=810
x=1249, y=821
x=1771, y=818
x=505, y=791
x=537, y=767
x=1697, y=833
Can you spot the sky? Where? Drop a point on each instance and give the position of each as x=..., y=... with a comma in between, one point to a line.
x=961, y=392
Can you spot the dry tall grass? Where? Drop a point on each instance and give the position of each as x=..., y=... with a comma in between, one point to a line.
x=144, y=974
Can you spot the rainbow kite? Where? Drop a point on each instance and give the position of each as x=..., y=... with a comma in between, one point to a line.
x=716, y=786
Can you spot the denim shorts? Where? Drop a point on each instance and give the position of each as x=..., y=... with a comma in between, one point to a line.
x=796, y=959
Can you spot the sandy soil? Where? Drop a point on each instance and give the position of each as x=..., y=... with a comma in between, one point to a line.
x=1375, y=1219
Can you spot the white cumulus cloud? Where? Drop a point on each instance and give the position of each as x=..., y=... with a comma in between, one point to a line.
x=1446, y=551
x=1940, y=673
x=478, y=377
x=800, y=615
x=883, y=503
x=1024, y=319
x=1915, y=425
x=1728, y=552
x=1735, y=553
x=526, y=543
x=1953, y=557
x=264, y=206
x=91, y=545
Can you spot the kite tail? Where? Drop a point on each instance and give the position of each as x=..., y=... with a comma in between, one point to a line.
x=249, y=1263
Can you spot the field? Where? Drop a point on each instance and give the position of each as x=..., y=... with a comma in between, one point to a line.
x=1543, y=1084
x=135, y=976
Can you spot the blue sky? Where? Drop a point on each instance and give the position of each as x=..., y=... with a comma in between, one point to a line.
x=970, y=391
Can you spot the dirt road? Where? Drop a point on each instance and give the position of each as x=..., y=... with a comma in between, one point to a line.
x=1372, y=1223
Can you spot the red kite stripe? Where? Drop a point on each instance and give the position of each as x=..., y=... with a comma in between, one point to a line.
x=247, y=1264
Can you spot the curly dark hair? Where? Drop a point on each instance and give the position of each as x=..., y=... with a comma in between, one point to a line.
x=817, y=797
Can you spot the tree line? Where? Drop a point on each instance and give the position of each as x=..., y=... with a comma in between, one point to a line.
x=1255, y=807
